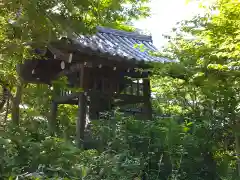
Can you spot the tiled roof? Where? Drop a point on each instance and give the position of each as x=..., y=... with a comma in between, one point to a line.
x=116, y=43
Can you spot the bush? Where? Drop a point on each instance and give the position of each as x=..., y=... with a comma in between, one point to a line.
x=24, y=154
x=163, y=149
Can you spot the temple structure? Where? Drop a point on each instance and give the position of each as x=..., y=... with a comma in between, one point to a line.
x=108, y=69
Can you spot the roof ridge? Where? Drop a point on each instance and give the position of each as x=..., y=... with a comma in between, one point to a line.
x=134, y=35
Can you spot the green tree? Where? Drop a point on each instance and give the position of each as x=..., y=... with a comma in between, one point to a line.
x=207, y=51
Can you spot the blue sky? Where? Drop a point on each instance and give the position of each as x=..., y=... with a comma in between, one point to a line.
x=165, y=14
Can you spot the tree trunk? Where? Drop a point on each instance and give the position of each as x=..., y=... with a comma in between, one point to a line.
x=16, y=103
x=7, y=111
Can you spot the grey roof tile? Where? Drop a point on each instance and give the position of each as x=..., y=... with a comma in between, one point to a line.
x=113, y=43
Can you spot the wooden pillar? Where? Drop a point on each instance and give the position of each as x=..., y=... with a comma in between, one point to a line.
x=52, y=122
x=93, y=112
x=147, y=98
x=138, y=89
x=81, y=120
x=16, y=103
x=131, y=88
x=82, y=106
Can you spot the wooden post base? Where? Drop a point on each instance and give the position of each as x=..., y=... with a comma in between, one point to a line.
x=52, y=122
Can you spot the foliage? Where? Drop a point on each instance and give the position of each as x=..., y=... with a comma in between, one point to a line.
x=35, y=22
x=160, y=149
x=28, y=150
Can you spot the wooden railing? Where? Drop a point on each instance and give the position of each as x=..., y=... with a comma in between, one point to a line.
x=104, y=86
x=65, y=92
x=134, y=88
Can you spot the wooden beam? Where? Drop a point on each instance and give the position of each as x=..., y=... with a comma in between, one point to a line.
x=62, y=51
x=135, y=74
x=120, y=71
x=66, y=98
x=123, y=99
x=70, y=58
x=62, y=64
x=58, y=54
x=102, y=81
